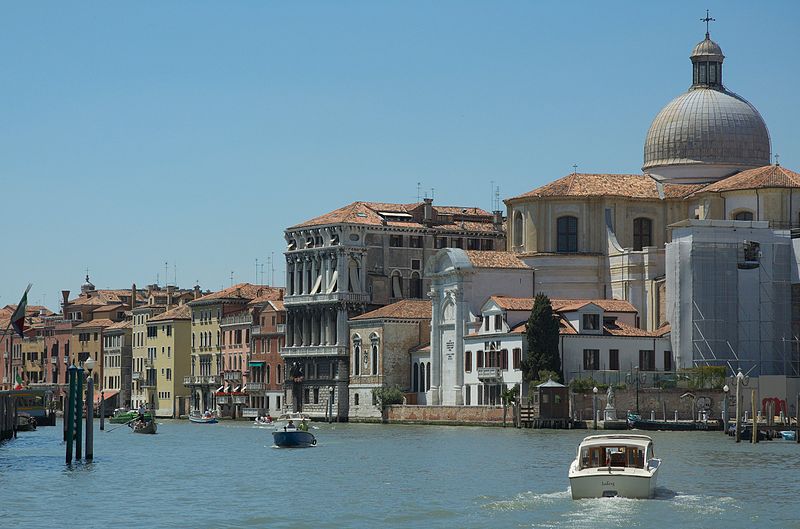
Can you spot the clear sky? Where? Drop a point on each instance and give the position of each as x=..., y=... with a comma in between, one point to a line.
x=193, y=132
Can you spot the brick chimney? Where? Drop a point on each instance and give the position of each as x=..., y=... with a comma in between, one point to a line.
x=196, y=291
x=64, y=302
x=497, y=220
x=133, y=296
x=427, y=212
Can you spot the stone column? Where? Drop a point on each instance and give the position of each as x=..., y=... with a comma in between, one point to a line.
x=341, y=326
x=433, y=396
x=315, y=326
x=289, y=329
x=344, y=273
x=458, y=296
x=324, y=273
x=297, y=271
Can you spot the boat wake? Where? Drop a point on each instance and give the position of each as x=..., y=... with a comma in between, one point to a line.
x=528, y=500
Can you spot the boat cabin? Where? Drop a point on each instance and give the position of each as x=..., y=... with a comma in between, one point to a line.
x=608, y=451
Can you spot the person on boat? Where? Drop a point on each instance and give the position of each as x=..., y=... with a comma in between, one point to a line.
x=290, y=426
x=140, y=416
x=268, y=418
x=304, y=426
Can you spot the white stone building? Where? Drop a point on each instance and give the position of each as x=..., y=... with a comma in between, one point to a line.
x=460, y=283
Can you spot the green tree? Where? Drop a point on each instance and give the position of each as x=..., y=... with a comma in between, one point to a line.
x=542, y=337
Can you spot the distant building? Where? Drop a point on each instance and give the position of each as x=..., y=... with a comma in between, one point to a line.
x=172, y=361
x=265, y=381
x=117, y=356
x=355, y=259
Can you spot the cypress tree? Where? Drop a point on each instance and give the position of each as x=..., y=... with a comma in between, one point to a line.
x=542, y=337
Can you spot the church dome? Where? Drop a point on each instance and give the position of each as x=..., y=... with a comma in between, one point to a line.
x=707, y=133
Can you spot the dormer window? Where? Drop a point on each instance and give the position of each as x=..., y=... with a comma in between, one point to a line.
x=498, y=322
x=591, y=322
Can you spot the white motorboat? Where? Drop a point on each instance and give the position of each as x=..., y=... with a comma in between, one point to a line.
x=296, y=417
x=614, y=465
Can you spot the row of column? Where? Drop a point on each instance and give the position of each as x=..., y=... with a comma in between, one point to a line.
x=303, y=272
x=316, y=326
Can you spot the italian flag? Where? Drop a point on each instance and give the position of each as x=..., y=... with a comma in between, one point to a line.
x=18, y=318
x=19, y=382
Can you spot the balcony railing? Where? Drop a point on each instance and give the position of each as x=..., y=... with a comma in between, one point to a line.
x=490, y=373
x=314, y=350
x=281, y=328
x=250, y=412
x=237, y=319
x=201, y=380
x=136, y=375
x=253, y=387
x=223, y=399
x=235, y=376
x=303, y=299
x=53, y=359
x=255, y=330
x=240, y=399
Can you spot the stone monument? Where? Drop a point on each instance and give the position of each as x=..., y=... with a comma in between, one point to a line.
x=610, y=413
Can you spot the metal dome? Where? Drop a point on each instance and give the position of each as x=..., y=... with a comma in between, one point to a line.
x=707, y=48
x=707, y=127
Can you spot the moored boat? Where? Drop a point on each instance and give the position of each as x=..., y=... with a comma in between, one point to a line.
x=124, y=415
x=25, y=422
x=636, y=422
x=146, y=426
x=789, y=435
x=614, y=465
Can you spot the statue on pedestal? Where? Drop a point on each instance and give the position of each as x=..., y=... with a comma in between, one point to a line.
x=610, y=413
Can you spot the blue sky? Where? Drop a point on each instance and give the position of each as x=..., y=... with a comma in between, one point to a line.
x=193, y=133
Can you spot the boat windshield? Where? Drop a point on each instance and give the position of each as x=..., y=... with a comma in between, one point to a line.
x=615, y=456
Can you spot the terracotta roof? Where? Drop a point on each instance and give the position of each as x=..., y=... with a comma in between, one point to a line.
x=105, y=308
x=181, y=312
x=125, y=324
x=405, y=309
x=369, y=213
x=619, y=328
x=508, y=303
x=480, y=259
x=101, y=322
x=604, y=185
x=267, y=295
x=758, y=178
x=425, y=348
x=244, y=291
x=564, y=327
x=466, y=225
x=278, y=305
x=608, y=305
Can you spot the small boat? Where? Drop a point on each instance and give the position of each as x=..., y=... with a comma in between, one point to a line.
x=263, y=421
x=297, y=417
x=635, y=422
x=123, y=415
x=789, y=435
x=205, y=418
x=146, y=426
x=293, y=438
x=614, y=465
x=746, y=433
x=25, y=423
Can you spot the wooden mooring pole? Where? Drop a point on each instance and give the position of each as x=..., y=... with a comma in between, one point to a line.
x=69, y=416
x=754, y=434
x=797, y=420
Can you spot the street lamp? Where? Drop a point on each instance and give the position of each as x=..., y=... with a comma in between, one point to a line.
x=594, y=407
x=330, y=404
x=637, y=377
x=725, y=390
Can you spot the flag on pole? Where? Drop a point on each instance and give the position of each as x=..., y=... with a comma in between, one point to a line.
x=19, y=382
x=18, y=318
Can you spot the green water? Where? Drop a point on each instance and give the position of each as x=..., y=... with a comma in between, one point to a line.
x=229, y=476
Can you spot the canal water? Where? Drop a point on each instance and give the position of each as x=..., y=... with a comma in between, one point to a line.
x=229, y=476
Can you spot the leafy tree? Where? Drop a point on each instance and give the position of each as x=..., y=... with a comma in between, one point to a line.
x=387, y=396
x=542, y=336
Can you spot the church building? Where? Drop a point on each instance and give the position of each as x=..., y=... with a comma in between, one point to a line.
x=707, y=158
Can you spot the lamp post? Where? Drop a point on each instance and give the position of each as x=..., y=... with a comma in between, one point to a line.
x=89, y=365
x=725, y=389
x=594, y=407
x=330, y=404
x=741, y=380
x=637, y=377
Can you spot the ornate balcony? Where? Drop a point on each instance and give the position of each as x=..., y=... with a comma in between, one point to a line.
x=239, y=399
x=314, y=350
x=490, y=373
x=333, y=297
x=223, y=399
x=202, y=380
x=254, y=387
x=281, y=328
x=136, y=375
x=233, y=376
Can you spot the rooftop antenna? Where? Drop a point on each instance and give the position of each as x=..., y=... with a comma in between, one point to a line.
x=231, y=277
x=419, y=192
x=707, y=20
x=175, y=273
x=574, y=168
x=262, y=273
x=272, y=268
x=491, y=192
x=777, y=160
x=497, y=198
x=433, y=193
x=256, y=280
x=166, y=273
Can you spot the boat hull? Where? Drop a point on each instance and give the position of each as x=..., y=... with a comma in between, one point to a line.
x=607, y=485
x=293, y=439
x=149, y=427
x=201, y=420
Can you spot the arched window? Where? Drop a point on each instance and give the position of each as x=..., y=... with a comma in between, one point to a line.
x=642, y=233
x=278, y=379
x=374, y=347
x=416, y=285
x=743, y=215
x=567, y=234
x=517, y=229
x=422, y=376
x=397, y=285
x=468, y=361
x=428, y=376
x=415, y=377
x=356, y=354
x=266, y=375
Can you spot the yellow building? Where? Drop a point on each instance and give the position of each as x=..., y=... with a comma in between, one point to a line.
x=172, y=359
x=142, y=352
x=116, y=366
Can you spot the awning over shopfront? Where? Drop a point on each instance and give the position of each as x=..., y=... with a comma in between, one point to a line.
x=107, y=394
x=256, y=364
